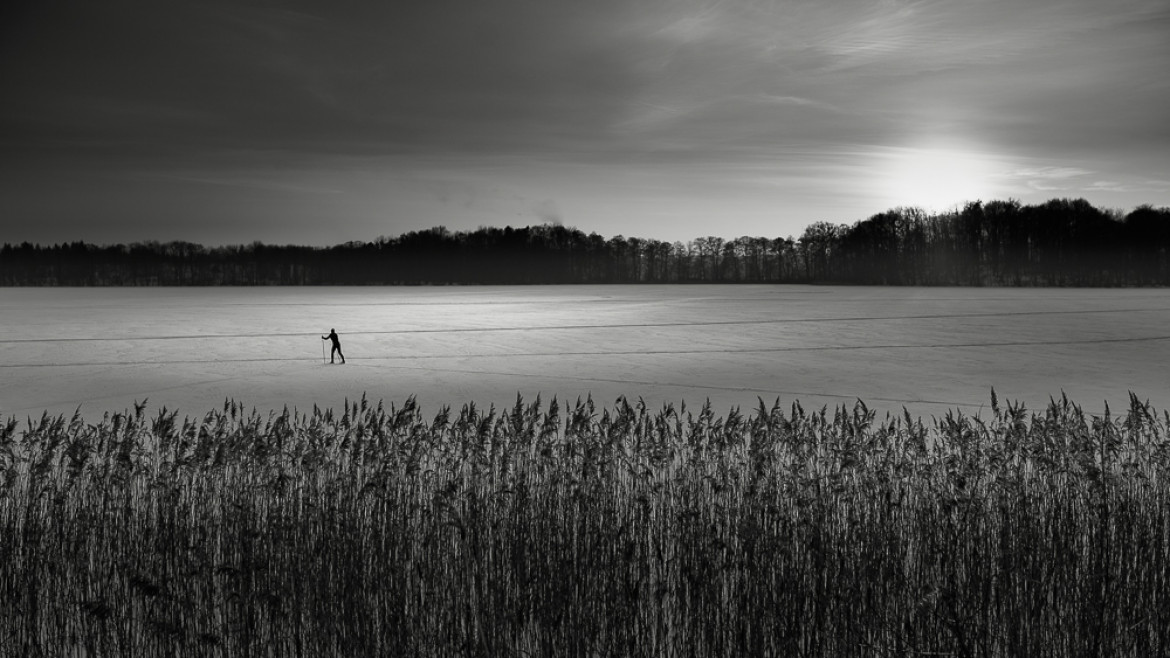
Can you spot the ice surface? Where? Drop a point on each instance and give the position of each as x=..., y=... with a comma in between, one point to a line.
x=928, y=349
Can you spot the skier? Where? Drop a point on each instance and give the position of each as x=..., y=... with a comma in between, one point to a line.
x=336, y=345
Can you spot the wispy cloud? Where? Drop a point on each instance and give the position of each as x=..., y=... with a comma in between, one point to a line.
x=1141, y=186
x=251, y=183
x=1050, y=173
x=1084, y=181
x=797, y=101
x=1049, y=178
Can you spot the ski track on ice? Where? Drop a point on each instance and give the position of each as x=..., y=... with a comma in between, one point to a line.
x=749, y=350
x=641, y=325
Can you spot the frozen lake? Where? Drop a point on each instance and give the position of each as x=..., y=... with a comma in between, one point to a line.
x=928, y=349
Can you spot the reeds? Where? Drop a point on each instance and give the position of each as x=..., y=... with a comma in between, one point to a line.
x=619, y=531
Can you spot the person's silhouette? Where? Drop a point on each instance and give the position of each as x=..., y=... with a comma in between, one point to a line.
x=336, y=345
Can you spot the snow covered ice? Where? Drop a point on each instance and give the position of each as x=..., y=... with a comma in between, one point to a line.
x=928, y=349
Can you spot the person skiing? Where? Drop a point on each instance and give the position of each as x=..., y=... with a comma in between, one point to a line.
x=336, y=345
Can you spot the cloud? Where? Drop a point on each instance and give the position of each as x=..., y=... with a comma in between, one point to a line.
x=1050, y=173
x=798, y=101
x=1049, y=178
x=1081, y=181
x=772, y=98
x=1143, y=185
x=575, y=79
x=247, y=182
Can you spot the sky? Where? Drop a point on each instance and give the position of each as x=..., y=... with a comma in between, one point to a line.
x=296, y=122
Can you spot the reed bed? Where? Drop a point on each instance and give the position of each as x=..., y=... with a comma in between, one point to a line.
x=585, y=531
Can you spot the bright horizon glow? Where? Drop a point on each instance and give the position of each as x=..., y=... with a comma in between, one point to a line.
x=936, y=179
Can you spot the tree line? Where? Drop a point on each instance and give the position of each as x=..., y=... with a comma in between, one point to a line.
x=1061, y=242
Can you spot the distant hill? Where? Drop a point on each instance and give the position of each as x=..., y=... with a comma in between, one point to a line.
x=1061, y=242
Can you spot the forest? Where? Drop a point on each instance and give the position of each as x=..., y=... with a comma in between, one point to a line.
x=1062, y=242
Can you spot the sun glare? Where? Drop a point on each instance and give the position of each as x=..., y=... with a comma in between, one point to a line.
x=936, y=179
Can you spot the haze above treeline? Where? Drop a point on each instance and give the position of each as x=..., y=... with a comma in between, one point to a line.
x=1062, y=242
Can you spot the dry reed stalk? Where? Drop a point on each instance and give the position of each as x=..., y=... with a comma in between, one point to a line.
x=579, y=531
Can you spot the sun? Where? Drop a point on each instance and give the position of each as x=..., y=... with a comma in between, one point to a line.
x=935, y=179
